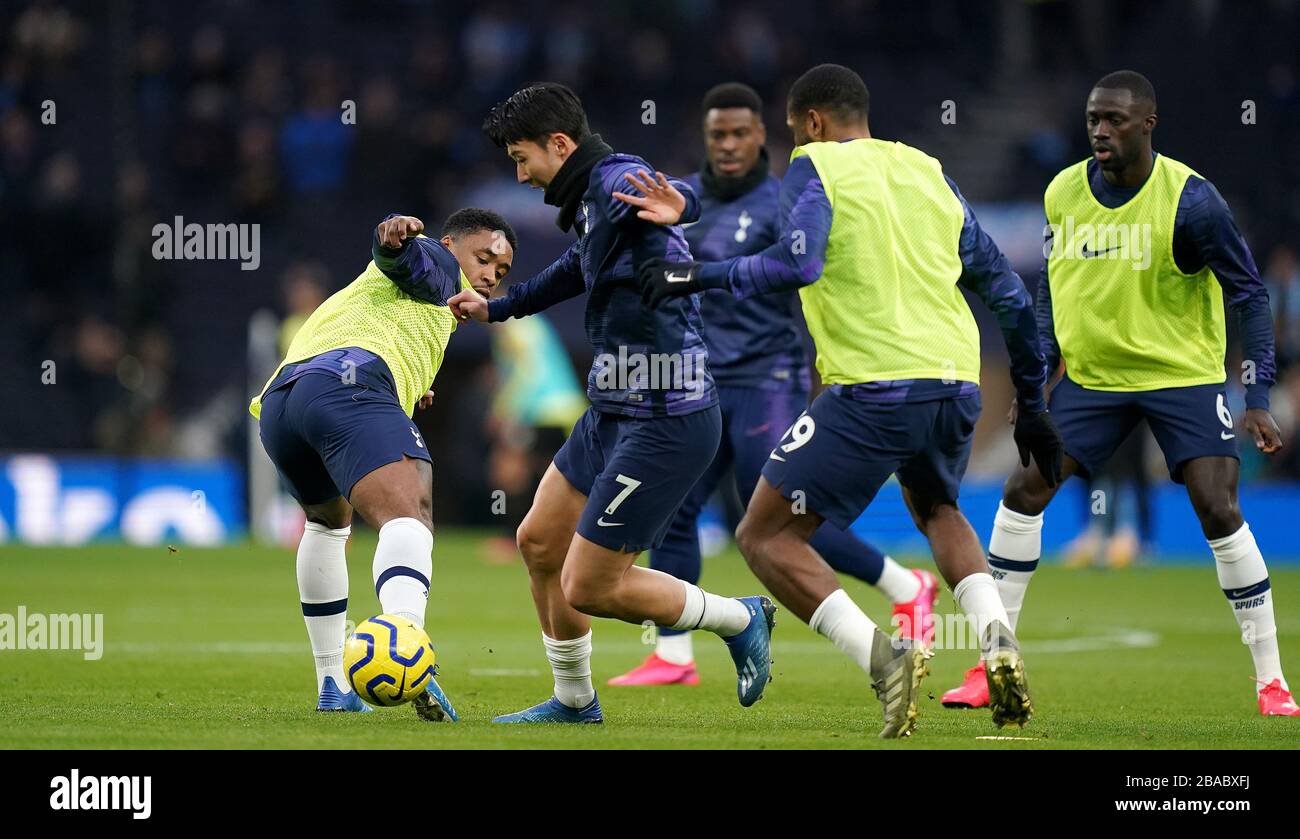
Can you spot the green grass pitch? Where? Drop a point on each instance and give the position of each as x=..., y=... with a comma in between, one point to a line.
x=206, y=648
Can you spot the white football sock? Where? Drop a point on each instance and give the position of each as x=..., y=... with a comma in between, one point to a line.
x=323, y=592
x=403, y=565
x=724, y=615
x=1244, y=579
x=676, y=648
x=1014, y=548
x=897, y=583
x=977, y=595
x=571, y=665
x=847, y=626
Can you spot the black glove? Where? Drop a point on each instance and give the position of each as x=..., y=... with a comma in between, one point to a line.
x=662, y=279
x=1036, y=435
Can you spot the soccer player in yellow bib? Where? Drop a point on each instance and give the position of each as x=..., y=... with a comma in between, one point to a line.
x=335, y=418
x=1139, y=254
x=877, y=240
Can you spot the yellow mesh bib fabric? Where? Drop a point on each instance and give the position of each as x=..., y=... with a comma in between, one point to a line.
x=887, y=306
x=373, y=314
x=1126, y=318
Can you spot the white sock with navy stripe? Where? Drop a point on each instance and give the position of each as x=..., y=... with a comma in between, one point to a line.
x=1244, y=580
x=323, y=592
x=724, y=615
x=403, y=565
x=1014, y=549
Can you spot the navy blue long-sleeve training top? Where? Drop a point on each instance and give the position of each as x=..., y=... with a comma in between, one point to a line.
x=647, y=362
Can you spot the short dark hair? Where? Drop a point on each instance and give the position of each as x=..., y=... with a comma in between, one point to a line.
x=732, y=95
x=536, y=112
x=1135, y=83
x=831, y=87
x=474, y=219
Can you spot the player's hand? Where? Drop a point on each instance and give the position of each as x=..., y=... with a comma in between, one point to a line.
x=426, y=400
x=1054, y=378
x=1036, y=436
x=1052, y=381
x=659, y=202
x=662, y=280
x=396, y=230
x=468, y=304
x=1260, y=424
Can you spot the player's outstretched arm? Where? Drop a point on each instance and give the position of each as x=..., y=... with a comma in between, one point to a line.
x=987, y=273
x=421, y=267
x=1002, y=290
x=1220, y=245
x=1043, y=315
x=793, y=261
x=557, y=282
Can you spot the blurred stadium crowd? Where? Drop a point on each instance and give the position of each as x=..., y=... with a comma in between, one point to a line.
x=230, y=111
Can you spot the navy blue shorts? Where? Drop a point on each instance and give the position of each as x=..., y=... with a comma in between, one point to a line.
x=324, y=433
x=635, y=472
x=1188, y=422
x=839, y=453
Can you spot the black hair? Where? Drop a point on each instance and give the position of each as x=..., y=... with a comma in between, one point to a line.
x=474, y=219
x=536, y=112
x=733, y=95
x=1134, y=82
x=830, y=87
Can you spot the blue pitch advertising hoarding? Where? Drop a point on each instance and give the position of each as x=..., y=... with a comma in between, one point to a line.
x=47, y=500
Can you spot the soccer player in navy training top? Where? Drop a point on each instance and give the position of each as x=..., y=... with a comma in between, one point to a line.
x=1140, y=252
x=877, y=240
x=653, y=425
x=758, y=362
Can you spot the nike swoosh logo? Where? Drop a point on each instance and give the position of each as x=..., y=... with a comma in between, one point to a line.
x=677, y=278
x=1223, y=435
x=601, y=521
x=1237, y=593
x=1087, y=254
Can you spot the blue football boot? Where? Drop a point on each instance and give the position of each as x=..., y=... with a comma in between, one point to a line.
x=553, y=710
x=433, y=705
x=333, y=699
x=751, y=650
